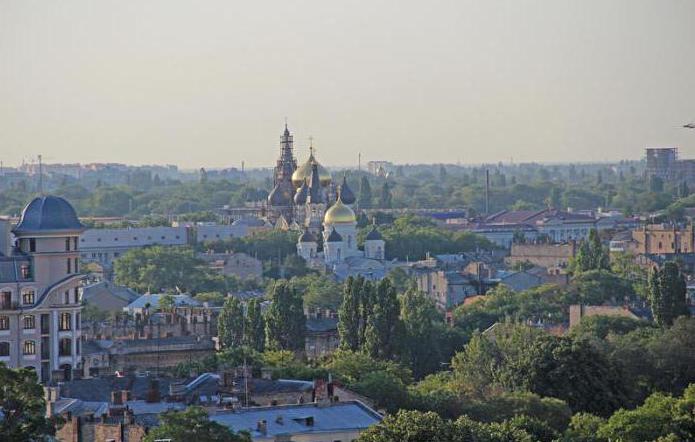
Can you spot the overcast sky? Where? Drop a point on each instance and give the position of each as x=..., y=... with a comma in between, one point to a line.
x=209, y=83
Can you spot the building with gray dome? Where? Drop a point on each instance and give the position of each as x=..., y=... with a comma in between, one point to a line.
x=40, y=289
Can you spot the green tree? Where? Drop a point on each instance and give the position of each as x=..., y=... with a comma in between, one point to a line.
x=230, y=323
x=383, y=327
x=192, y=424
x=420, y=323
x=591, y=254
x=364, y=200
x=23, y=407
x=385, y=197
x=255, y=326
x=349, y=317
x=284, y=320
x=666, y=292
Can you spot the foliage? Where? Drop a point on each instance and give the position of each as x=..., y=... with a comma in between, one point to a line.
x=383, y=329
x=591, y=254
x=318, y=291
x=349, y=315
x=666, y=292
x=23, y=407
x=157, y=268
x=284, y=319
x=422, y=323
x=192, y=424
x=597, y=287
x=265, y=245
x=230, y=323
x=599, y=327
x=254, y=336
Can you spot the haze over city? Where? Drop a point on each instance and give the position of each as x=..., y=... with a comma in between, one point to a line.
x=210, y=83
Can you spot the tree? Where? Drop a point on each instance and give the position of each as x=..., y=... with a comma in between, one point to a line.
x=656, y=184
x=192, y=424
x=255, y=326
x=349, y=317
x=591, y=254
x=23, y=407
x=364, y=200
x=410, y=426
x=284, y=320
x=385, y=198
x=383, y=326
x=230, y=323
x=420, y=317
x=666, y=292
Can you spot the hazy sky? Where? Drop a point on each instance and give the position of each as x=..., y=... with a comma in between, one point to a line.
x=209, y=83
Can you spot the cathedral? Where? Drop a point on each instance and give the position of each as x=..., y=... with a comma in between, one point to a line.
x=306, y=198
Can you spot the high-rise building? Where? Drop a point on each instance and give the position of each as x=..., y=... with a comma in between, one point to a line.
x=39, y=289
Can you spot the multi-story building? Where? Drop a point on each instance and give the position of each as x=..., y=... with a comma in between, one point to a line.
x=39, y=289
x=662, y=239
x=663, y=162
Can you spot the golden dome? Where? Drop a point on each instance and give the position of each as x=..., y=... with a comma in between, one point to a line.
x=303, y=173
x=339, y=213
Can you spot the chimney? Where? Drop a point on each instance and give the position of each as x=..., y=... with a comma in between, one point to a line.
x=153, y=395
x=116, y=398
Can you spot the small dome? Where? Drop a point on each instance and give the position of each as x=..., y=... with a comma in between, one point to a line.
x=302, y=192
x=280, y=196
x=346, y=193
x=307, y=236
x=48, y=214
x=334, y=236
x=339, y=213
x=373, y=235
x=303, y=173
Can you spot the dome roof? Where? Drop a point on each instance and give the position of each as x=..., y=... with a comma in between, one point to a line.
x=373, y=235
x=280, y=195
x=303, y=173
x=302, y=192
x=46, y=214
x=339, y=213
x=346, y=193
x=307, y=236
x=334, y=236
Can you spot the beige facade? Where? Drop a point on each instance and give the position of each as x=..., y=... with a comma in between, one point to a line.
x=543, y=255
x=661, y=239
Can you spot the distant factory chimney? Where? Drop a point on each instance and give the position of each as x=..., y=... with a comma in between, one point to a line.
x=487, y=191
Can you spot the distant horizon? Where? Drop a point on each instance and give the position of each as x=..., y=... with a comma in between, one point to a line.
x=209, y=84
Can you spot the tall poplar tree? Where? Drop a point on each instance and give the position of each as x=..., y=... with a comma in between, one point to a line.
x=230, y=323
x=364, y=201
x=666, y=292
x=349, y=317
x=385, y=198
x=255, y=326
x=383, y=326
x=284, y=320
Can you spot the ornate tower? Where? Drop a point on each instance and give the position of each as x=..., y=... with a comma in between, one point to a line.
x=280, y=198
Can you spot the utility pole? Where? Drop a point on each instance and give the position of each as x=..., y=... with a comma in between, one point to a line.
x=487, y=191
x=40, y=176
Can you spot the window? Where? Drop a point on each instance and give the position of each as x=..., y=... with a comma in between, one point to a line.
x=28, y=297
x=65, y=347
x=26, y=271
x=67, y=244
x=32, y=245
x=77, y=265
x=45, y=321
x=29, y=322
x=29, y=347
x=6, y=300
x=74, y=243
x=76, y=295
x=4, y=322
x=77, y=323
x=66, y=297
x=69, y=266
x=65, y=322
x=4, y=348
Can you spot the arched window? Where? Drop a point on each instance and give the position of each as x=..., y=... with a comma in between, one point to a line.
x=29, y=322
x=65, y=347
x=65, y=322
x=4, y=348
x=4, y=322
x=29, y=347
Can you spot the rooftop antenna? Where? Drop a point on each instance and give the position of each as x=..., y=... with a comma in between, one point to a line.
x=359, y=161
x=40, y=176
x=487, y=191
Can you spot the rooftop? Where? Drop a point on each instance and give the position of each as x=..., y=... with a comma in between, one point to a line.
x=48, y=214
x=299, y=419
